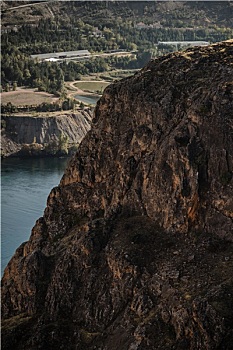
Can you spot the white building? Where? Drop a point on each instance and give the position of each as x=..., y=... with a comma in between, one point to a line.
x=61, y=56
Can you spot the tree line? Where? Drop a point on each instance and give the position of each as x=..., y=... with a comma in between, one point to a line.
x=52, y=36
x=113, y=32
x=18, y=69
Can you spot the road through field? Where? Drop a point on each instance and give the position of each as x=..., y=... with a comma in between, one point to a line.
x=71, y=84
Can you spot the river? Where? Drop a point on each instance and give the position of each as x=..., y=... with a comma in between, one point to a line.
x=25, y=186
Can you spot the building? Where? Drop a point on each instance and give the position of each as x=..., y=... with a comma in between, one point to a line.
x=97, y=33
x=61, y=56
x=141, y=25
x=183, y=43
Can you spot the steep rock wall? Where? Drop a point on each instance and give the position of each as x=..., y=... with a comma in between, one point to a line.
x=43, y=130
x=134, y=250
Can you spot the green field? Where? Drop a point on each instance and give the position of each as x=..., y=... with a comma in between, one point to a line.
x=95, y=86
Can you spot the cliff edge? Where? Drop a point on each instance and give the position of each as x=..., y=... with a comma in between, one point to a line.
x=49, y=134
x=134, y=250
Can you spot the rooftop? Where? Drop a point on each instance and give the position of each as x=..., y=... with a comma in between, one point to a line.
x=201, y=43
x=61, y=55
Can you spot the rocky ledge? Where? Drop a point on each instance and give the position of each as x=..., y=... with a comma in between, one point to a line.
x=134, y=250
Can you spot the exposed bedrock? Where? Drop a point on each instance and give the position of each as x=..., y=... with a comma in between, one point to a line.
x=134, y=250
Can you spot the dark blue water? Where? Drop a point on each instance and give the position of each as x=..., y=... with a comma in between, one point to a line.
x=90, y=99
x=25, y=186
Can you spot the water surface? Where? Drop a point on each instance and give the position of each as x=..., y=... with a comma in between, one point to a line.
x=25, y=186
x=90, y=99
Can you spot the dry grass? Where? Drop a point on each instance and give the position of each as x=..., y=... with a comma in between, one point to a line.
x=23, y=97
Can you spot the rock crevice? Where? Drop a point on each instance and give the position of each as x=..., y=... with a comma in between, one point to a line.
x=134, y=250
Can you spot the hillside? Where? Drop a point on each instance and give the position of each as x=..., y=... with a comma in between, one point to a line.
x=134, y=250
x=203, y=13
x=133, y=28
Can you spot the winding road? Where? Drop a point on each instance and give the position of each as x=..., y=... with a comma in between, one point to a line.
x=75, y=90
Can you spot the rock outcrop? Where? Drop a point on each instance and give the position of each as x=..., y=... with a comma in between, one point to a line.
x=43, y=135
x=134, y=250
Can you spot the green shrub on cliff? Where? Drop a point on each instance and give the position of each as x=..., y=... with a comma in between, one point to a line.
x=8, y=108
x=63, y=143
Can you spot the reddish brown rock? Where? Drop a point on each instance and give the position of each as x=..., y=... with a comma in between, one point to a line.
x=135, y=247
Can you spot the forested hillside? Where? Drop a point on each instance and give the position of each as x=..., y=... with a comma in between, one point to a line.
x=100, y=26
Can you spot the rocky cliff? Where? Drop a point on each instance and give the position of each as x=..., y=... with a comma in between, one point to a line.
x=134, y=250
x=43, y=135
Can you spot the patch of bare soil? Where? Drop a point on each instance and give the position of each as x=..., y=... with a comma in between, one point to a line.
x=22, y=97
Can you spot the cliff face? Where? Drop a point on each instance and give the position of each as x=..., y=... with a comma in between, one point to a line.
x=134, y=250
x=38, y=135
